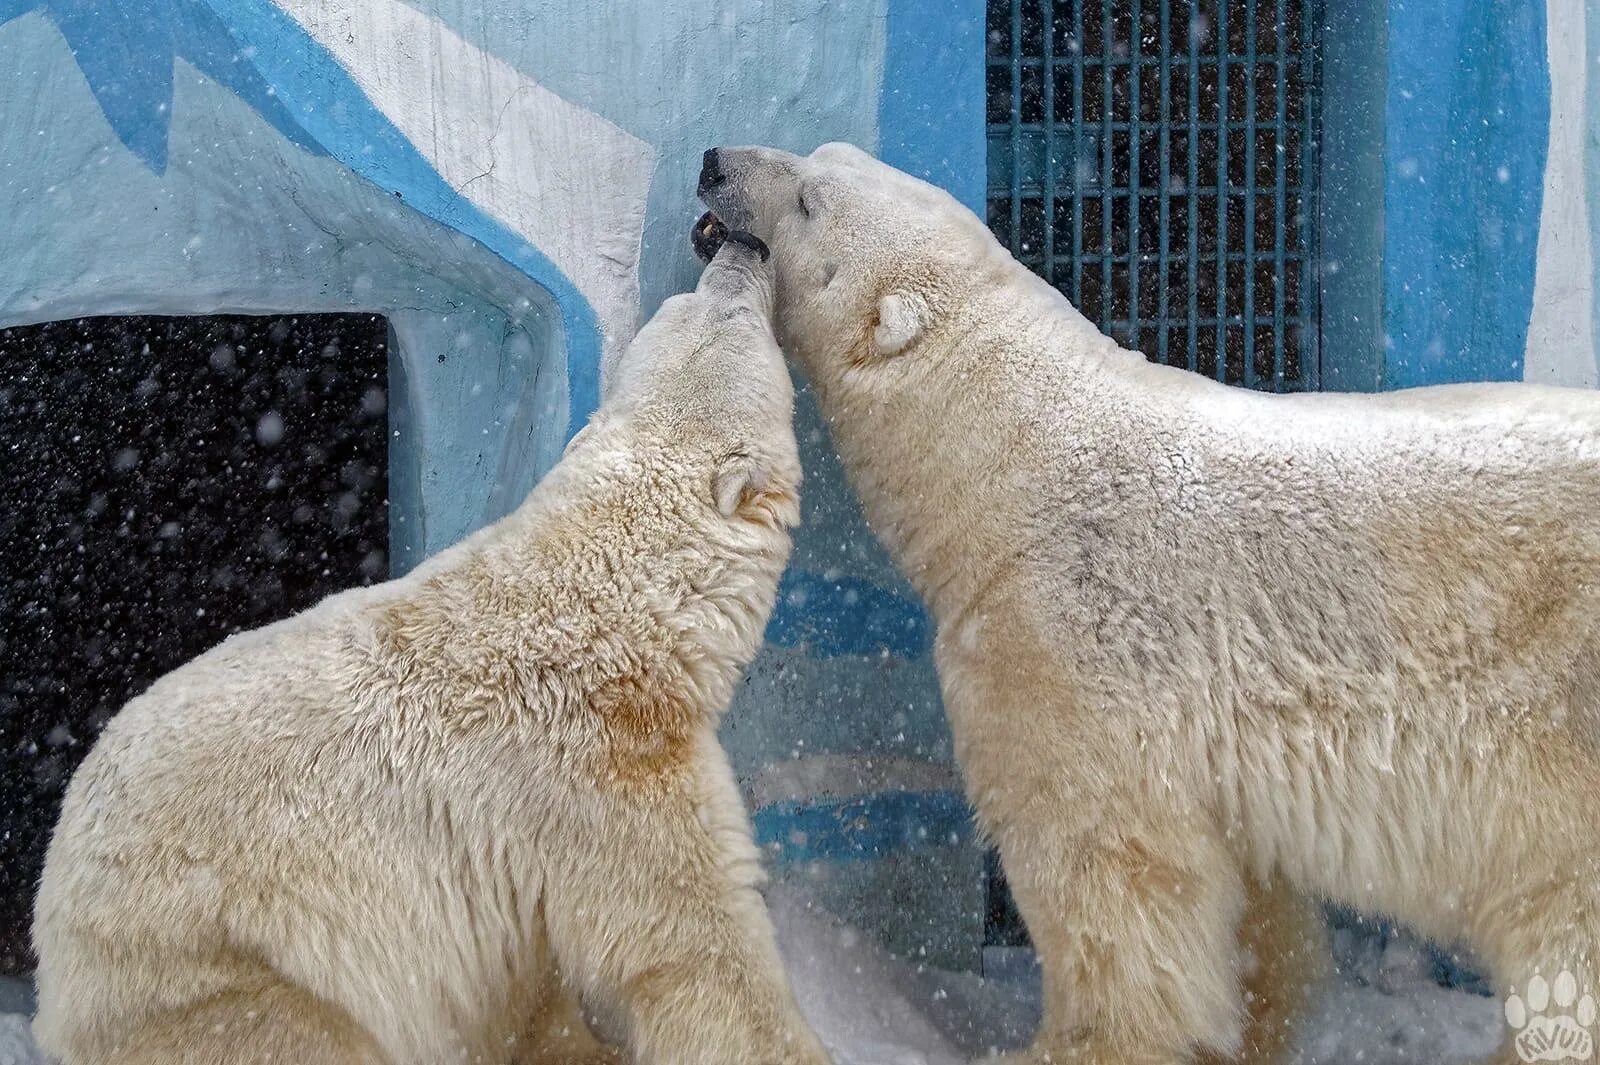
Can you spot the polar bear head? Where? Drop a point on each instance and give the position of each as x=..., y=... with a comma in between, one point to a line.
x=706, y=378
x=868, y=258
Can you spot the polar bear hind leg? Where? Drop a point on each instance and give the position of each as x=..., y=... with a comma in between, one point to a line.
x=1137, y=933
x=1543, y=953
x=1284, y=938
x=273, y=1024
x=663, y=923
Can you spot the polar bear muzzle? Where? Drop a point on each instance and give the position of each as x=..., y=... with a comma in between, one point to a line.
x=710, y=233
x=707, y=236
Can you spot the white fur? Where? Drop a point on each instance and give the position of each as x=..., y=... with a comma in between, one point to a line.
x=1192, y=637
x=414, y=823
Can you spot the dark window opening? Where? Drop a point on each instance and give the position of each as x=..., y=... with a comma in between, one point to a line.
x=168, y=482
x=1155, y=160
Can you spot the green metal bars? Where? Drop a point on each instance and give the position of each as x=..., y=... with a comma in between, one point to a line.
x=1155, y=160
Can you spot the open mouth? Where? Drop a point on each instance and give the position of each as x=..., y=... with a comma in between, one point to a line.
x=707, y=236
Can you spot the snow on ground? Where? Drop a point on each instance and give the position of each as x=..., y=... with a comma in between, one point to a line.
x=16, y=1042
x=1422, y=1024
x=1383, y=1008
x=872, y=1009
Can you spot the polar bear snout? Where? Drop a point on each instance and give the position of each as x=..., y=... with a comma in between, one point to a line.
x=711, y=173
x=740, y=252
x=720, y=191
x=740, y=275
x=740, y=185
x=710, y=233
x=707, y=236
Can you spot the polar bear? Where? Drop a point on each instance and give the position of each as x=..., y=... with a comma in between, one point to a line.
x=417, y=822
x=1192, y=638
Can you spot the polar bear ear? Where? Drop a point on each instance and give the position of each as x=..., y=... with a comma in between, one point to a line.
x=743, y=487
x=902, y=318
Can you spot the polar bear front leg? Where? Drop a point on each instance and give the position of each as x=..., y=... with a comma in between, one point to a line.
x=660, y=919
x=266, y=1022
x=1134, y=918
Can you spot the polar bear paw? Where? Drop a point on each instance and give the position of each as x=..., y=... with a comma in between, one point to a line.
x=1552, y=1023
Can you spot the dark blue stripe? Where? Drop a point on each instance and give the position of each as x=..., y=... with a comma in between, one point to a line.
x=126, y=51
x=833, y=616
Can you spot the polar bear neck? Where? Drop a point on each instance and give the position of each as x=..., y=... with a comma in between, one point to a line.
x=942, y=442
x=615, y=570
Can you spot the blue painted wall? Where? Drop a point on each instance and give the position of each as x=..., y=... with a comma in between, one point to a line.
x=686, y=74
x=1465, y=132
x=242, y=219
x=931, y=110
x=126, y=52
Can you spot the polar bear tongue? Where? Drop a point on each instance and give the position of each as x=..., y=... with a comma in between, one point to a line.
x=707, y=236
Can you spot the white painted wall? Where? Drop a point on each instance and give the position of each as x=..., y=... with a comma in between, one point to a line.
x=1561, y=345
x=570, y=182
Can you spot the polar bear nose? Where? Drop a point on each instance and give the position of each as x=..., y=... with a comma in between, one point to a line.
x=711, y=174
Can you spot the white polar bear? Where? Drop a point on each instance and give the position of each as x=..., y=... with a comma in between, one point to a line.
x=414, y=823
x=1193, y=637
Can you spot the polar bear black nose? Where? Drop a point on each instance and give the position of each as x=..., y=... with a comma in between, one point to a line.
x=711, y=174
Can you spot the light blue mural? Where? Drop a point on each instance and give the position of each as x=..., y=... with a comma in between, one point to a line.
x=126, y=52
x=687, y=74
x=103, y=233
x=334, y=109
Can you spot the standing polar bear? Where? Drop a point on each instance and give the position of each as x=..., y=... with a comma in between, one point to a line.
x=1193, y=638
x=411, y=825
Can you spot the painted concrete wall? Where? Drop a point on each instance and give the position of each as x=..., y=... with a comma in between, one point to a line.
x=255, y=175
x=511, y=183
x=1561, y=330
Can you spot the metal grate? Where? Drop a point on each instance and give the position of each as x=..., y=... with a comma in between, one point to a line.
x=1155, y=160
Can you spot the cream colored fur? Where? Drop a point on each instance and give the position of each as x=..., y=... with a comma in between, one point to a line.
x=412, y=825
x=1193, y=637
